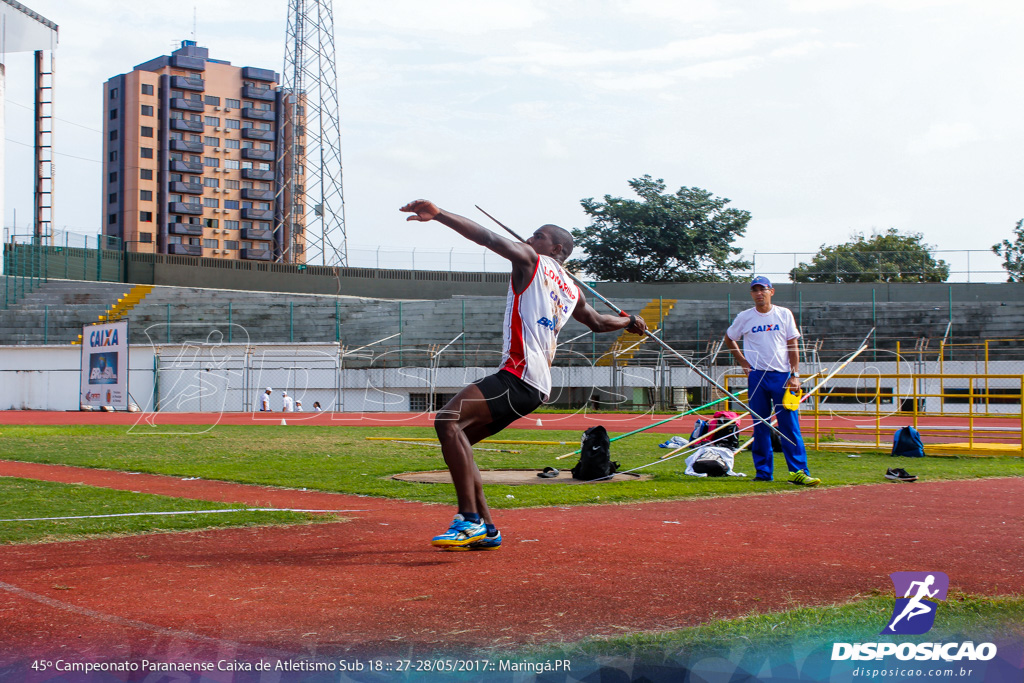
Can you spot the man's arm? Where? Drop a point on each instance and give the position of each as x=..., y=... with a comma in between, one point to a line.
x=737, y=354
x=794, y=364
x=598, y=322
x=520, y=254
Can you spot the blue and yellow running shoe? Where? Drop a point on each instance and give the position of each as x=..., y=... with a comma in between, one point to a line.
x=460, y=534
x=488, y=542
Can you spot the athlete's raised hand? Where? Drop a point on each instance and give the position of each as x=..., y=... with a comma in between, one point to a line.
x=422, y=209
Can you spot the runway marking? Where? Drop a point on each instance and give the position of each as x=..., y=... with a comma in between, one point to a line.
x=133, y=623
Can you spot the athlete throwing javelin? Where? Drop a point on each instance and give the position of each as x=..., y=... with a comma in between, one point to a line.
x=541, y=297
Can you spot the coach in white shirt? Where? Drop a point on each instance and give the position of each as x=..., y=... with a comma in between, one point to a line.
x=771, y=361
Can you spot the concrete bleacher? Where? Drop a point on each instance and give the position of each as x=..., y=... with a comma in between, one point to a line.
x=55, y=312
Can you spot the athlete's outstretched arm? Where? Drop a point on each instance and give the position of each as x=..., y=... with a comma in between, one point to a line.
x=599, y=322
x=518, y=253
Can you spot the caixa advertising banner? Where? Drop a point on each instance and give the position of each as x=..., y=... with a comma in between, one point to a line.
x=105, y=365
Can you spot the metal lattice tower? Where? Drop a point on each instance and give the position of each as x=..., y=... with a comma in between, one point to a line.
x=310, y=225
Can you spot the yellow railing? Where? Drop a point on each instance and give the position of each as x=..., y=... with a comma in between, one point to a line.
x=625, y=346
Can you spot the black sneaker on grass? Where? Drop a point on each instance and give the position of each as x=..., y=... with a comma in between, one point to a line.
x=899, y=474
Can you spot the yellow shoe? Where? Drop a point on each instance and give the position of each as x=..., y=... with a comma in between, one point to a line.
x=801, y=479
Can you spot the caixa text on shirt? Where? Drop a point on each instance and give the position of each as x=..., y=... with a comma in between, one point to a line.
x=107, y=337
x=766, y=328
x=949, y=652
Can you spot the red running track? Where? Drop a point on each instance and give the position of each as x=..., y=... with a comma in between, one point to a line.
x=373, y=584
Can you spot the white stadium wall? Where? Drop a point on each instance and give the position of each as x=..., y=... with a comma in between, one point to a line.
x=232, y=378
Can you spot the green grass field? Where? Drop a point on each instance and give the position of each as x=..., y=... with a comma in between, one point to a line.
x=340, y=459
x=22, y=499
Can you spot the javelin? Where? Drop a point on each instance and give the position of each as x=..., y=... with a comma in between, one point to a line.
x=680, y=451
x=702, y=437
x=434, y=438
x=833, y=373
x=660, y=422
x=670, y=419
x=668, y=348
x=675, y=454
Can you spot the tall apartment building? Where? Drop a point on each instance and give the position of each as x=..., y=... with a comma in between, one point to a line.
x=191, y=164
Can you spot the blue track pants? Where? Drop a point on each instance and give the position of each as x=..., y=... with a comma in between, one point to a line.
x=766, y=388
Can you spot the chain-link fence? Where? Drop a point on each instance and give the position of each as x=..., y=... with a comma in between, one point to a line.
x=213, y=377
x=30, y=260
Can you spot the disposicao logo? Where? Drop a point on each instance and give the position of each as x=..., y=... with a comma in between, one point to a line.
x=914, y=614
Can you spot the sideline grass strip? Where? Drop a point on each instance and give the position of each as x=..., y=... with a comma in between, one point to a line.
x=27, y=498
x=959, y=617
x=338, y=459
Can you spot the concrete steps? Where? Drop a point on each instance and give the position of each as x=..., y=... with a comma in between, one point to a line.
x=56, y=311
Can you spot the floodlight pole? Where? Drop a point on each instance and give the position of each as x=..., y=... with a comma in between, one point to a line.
x=43, y=170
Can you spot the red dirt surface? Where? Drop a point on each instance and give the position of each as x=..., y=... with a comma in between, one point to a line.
x=373, y=584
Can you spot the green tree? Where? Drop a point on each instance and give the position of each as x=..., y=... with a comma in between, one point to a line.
x=681, y=237
x=884, y=257
x=1013, y=254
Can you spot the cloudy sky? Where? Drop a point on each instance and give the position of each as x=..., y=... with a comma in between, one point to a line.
x=820, y=117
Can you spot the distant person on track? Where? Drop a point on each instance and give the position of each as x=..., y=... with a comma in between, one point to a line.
x=265, y=401
x=287, y=404
x=771, y=361
x=541, y=297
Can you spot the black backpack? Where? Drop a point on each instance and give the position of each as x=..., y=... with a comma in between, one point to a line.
x=595, y=456
x=728, y=437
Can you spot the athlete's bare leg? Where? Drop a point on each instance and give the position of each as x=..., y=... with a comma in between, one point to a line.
x=460, y=424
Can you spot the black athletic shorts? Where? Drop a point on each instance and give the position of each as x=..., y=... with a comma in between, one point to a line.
x=509, y=398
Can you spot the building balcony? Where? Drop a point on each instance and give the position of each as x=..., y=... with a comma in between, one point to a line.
x=178, y=187
x=257, y=134
x=183, y=62
x=192, y=229
x=185, y=124
x=250, y=92
x=257, y=234
x=254, y=254
x=256, y=174
x=178, y=166
x=257, y=215
x=187, y=105
x=262, y=195
x=258, y=154
x=186, y=208
x=188, y=83
x=185, y=249
x=255, y=74
x=186, y=146
x=258, y=114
